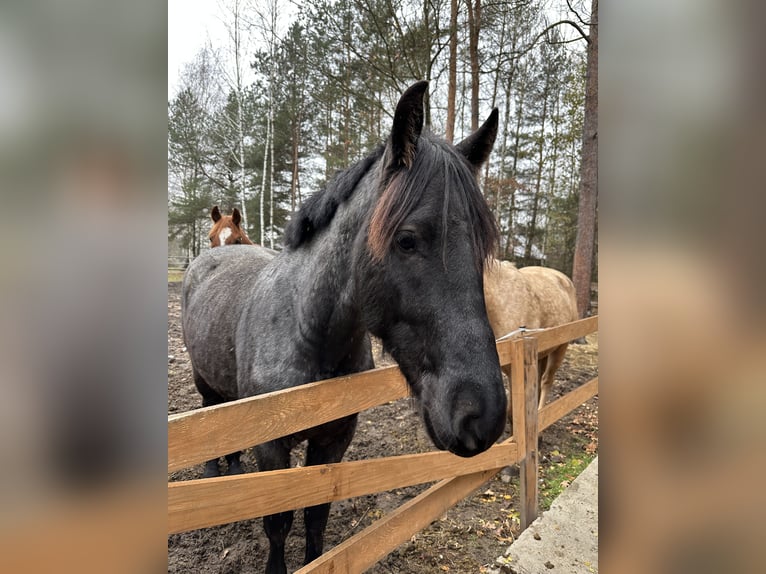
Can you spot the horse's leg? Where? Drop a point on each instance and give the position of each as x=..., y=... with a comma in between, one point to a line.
x=324, y=451
x=541, y=364
x=209, y=398
x=275, y=455
x=507, y=371
x=554, y=362
x=235, y=466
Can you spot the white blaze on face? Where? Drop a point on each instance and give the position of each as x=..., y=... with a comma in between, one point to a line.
x=223, y=235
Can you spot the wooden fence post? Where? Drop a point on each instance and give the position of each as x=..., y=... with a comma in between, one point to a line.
x=524, y=396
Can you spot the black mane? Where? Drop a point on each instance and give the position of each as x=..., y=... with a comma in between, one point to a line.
x=319, y=209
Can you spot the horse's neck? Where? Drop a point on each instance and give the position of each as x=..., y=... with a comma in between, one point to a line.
x=329, y=315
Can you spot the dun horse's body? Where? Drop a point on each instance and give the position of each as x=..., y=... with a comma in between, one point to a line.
x=367, y=254
x=531, y=297
x=226, y=229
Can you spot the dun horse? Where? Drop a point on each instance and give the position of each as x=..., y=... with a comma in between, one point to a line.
x=531, y=297
x=394, y=246
x=226, y=229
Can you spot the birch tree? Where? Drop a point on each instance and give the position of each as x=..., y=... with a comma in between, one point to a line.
x=232, y=68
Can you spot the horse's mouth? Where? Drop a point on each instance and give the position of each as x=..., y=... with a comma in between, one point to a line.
x=455, y=446
x=463, y=422
x=438, y=443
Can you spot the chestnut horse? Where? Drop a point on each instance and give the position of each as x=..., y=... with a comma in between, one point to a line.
x=226, y=229
x=534, y=298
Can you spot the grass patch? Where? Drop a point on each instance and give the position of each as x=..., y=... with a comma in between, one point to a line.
x=174, y=275
x=557, y=476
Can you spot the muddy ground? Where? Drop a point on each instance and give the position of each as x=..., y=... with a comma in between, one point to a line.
x=466, y=539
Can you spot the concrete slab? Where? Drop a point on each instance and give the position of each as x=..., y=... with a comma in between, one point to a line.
x=564, y=539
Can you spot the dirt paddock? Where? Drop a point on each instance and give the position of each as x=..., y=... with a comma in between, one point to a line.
x=465, y=540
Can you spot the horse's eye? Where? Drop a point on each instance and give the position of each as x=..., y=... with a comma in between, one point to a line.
x=237, y=240
x=405, y=240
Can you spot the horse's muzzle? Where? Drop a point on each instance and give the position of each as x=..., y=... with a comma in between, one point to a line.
x=468, y=424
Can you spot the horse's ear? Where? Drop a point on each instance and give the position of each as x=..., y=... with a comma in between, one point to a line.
x=408, y=124
x=236, y=217
x=477, y=146
x=215, y=214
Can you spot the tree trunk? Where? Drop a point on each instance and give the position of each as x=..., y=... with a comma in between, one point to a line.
x=263, y=174
x=428, y=62
x=474, y=24
x=511, y=242
x=271, y=178
x=295, y=149
x=241, y=146
x=494, y=92
x=554, y=165
x=452, y=87
x=532, y=230
x=503, y=150
x=347, y=100
x=582, y=265
x=240, y=128
x=506, y=122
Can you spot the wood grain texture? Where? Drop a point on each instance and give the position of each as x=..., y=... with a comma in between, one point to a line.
x=208, y=502
x=364, y=549
x=203, y=434
x=561, y=407
x=528, y=427
x=548, y=339
x=515, y=372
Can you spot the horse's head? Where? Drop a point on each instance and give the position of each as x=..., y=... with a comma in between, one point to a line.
x=419, y=277
x=226, y=229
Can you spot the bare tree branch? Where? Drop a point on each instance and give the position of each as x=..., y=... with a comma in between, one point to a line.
x=575, y=25
x=572, y=41
x=577, y=14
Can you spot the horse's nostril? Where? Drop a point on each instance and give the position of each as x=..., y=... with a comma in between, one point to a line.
x=477, y=422
x=470, y=433
x=469, y=426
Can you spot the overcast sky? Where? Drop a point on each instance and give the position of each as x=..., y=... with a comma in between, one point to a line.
x=190, y=24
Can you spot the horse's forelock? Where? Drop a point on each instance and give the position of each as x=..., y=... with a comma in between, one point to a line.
x=483, y=227
x=402, y=191
x=389, y=213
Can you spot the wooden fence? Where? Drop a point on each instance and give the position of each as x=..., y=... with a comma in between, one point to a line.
x=199, y=435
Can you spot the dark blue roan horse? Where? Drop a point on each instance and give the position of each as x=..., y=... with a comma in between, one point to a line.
x=394, y=246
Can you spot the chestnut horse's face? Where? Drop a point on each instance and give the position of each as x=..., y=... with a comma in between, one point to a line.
x=226, y=229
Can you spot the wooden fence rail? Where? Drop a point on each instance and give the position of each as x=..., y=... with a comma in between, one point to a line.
x=202, y=434
x=201, y=503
